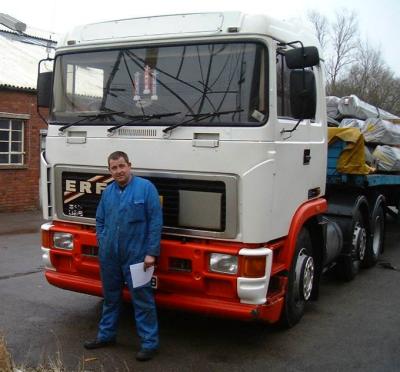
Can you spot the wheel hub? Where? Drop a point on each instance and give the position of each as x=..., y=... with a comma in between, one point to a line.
x=376, y=243
x=304, y=276
x=359, y=241
x=308, y=278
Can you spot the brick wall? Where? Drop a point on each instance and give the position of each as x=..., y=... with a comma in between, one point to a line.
x=19, y=186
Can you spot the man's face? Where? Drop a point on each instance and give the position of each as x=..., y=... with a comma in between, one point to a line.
x=120, y=170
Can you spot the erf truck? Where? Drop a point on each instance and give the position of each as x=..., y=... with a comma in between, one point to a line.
x=225, y=113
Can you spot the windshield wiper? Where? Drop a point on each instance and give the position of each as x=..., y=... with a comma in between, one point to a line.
x=199, y=117
x=142, y=118
x=91, y=117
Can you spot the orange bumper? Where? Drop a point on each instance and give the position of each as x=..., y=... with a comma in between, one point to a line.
x=269, y=312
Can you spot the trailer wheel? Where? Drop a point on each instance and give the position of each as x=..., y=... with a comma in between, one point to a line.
x=301, y=281
x=351, y=262
x=375, y=247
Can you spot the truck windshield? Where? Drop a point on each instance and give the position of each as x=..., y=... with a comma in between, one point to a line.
x=187, y=80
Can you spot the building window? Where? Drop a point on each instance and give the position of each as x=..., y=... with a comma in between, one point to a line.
x=11, y=141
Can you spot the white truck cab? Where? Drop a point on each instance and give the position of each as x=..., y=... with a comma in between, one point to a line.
x=225, y=114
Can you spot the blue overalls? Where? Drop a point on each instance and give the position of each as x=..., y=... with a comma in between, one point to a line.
x=128, y=227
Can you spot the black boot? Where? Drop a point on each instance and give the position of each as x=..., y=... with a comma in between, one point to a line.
x=96, y=344
x=145, y=354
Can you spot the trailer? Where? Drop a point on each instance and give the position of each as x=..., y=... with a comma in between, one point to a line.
x=359, y=203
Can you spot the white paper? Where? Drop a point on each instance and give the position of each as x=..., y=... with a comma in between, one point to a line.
x=139, y=276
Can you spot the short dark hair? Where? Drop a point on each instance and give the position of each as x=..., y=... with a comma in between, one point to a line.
x=116, y=155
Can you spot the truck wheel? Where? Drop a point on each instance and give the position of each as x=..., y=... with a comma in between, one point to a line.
x=350, y=264
x=378, y=232
x=301, y=281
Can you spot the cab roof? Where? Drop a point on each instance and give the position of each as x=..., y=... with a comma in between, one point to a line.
x=181, y=26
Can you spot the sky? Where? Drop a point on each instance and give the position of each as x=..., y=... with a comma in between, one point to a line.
x=378, y=20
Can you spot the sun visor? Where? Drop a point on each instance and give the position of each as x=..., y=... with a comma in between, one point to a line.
x=206, y=23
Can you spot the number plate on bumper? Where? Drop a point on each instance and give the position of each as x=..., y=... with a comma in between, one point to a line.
x=154, y=282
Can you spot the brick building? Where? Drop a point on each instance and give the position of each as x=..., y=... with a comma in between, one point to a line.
x=20, y=125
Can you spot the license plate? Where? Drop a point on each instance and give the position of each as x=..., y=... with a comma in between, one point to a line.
x=154, y=282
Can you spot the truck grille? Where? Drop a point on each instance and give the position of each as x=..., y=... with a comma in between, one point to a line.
x=81, y=194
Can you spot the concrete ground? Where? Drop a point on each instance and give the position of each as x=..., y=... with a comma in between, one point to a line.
x=353, y=327
x=21, y=222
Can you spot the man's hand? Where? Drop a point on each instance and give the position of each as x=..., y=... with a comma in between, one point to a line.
x=148, y=262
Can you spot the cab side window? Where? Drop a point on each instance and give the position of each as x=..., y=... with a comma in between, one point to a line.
x=283, y=87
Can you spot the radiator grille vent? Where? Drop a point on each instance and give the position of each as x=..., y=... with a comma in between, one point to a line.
x=137, y=132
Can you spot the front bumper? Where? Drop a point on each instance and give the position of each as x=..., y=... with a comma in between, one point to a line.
x=269, y=312
x=189, y=286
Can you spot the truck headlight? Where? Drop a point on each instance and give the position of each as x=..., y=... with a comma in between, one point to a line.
x=63, y=240
x=223, y=263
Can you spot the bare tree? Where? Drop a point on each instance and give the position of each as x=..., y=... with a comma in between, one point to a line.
x=353, y=66
x=364, y=72
x=338, y=40
x=371, y=79
x=321, y=26
x=344, y=39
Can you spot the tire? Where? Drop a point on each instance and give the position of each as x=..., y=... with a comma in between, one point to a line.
x=301, y=281
x=374, y=249
x=351, y=262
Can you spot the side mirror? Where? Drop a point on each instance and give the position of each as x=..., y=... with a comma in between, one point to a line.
x=44, y=89
x=303, y=97
x=302, y=57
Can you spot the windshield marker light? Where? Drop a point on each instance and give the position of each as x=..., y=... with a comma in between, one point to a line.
x=63, y=240
x=223, y=263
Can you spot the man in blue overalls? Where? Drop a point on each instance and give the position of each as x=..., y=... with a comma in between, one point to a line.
x=128, y=228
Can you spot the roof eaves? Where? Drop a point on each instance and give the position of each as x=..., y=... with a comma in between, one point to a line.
x=27, y=35
x=17, y=88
